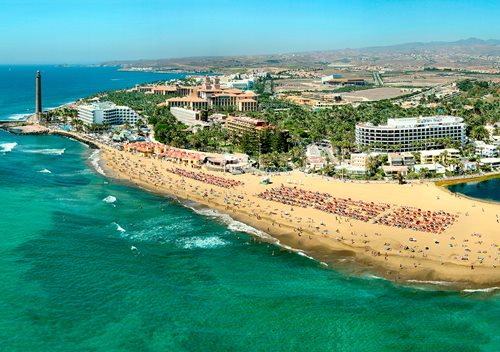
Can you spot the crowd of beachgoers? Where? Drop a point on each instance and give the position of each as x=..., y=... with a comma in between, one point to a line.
x=402, y=217
x=303, y=214
x=353, y=209
x=417, y=219
x=205, y=178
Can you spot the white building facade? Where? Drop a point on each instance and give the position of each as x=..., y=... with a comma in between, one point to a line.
x=188, y=117
x=486, y=150
x=107, y=113
x=410, y=134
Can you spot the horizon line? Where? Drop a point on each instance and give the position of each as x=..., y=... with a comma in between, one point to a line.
x=104, y=62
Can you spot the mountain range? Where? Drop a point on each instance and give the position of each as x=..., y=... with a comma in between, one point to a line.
x=464, y=53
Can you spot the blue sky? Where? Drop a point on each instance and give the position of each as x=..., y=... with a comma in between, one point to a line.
x=92, y=31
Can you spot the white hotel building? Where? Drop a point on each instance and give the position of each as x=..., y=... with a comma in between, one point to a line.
x=408, y=134
x=107, y=113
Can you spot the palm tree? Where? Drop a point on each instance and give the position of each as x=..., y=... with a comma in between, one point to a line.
x=372, y=166
x=480, y=133
x=400, y=178
x=444, y=157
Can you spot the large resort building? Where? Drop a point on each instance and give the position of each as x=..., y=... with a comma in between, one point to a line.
x=192, y=101
x=242, y=124
x=160, y=90
x=410, y=134
x=189, y=117
x=107, y=113
x=210, y=94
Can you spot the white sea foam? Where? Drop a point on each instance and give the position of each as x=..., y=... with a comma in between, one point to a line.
x=45, y=171
x=488, y=289
x=84, y=172
x=46, y=151
x=7, y=147
x=94, y=160
x=298, y=251
x=157, y=230
x=302, y=254
x=109, y=199
x=238, y=226
x=202, y=242
x=119, y=228
x=232, y=224
x=18, y=117
x=430, y=282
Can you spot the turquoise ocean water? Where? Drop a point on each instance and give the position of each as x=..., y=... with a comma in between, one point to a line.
x=71, y=281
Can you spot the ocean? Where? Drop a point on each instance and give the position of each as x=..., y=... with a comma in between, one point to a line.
x=62, y=84
x=91, y=264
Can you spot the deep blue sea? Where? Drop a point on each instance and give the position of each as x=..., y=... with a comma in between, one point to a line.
x=62, y=84
x=488, y=190
x=71, y=281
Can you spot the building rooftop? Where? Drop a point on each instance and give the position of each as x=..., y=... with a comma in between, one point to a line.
x=165, y=88
x=429, y=167
x=417, y=121
x=247, y=119
x=391, y=168
x=400, y=155
x=438, y=152
x=103, y=105
x=490, y=160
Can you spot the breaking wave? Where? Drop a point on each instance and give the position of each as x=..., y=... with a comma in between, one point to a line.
x=7, y=147
x=119, y=228
x=430, y=282
x=488, y=289
x=202, y=242
x=232, y=224
x=238, y=226
x=45, y=171
x=109, y=199
x=18, y=117
x=94, y=160
x=46, y=151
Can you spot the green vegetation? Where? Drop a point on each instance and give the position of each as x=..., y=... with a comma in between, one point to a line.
x=142, y=103
x=338, y=123
x=295, y=126
x=167, y=129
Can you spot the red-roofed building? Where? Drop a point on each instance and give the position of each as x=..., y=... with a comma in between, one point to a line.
x=207, y=95
x=192, y=101
x=242, y=124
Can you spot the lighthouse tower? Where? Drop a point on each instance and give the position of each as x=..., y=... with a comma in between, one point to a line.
x=38, y=97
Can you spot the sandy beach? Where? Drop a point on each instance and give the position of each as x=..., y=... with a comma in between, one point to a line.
x=328, y=218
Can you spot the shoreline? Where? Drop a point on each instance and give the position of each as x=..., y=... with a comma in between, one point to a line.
x=322, y=250
x=25, y=117
x=347, y=254
x=332, y=254
x=342, y=259
x=443, y=185
x=472, y=178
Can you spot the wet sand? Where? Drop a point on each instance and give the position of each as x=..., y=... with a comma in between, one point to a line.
x=466, y=253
